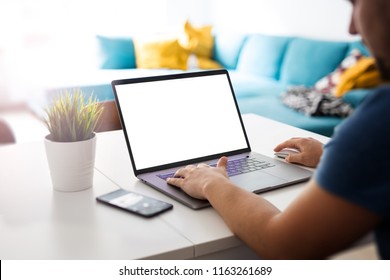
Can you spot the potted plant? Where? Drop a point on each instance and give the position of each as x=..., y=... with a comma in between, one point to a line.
x=71, y=143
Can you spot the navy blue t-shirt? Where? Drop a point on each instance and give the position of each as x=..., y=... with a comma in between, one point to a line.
x=356, y=162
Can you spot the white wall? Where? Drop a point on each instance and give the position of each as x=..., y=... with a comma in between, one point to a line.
x=326, y=19
x=199, y=12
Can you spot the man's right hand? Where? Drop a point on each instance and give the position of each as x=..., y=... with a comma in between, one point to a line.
x=310, y=151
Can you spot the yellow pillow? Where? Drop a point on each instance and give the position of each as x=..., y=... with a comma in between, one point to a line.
x=198, y=41
x=207, y=63
x=363, y=74
x=161, y=54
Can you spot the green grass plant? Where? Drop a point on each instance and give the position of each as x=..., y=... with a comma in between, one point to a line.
x=71, y=117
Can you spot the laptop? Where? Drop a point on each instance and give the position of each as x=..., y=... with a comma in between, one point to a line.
x=170, y=121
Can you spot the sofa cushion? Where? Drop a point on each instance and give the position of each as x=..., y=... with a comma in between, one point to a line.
x=306, y=61
x=203, y=63
x=262, y=55
x=198, y=40
x=329, y=83
x=116, y=52
x=161, y=54
x=246, y=85
x=273, y=108
x=227, y=48
x=356, y=96
x=364, y=74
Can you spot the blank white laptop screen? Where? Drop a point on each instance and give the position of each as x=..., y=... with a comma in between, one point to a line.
x=173, y=120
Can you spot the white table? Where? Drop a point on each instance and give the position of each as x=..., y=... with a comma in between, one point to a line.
x=204, y=228
x=39, y=223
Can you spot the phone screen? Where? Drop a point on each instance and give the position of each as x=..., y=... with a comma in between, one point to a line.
x=135, y=203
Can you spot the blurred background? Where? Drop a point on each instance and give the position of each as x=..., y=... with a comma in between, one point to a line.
x=50, y=36
x=43, y=41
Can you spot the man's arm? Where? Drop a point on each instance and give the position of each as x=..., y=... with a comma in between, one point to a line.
x=315, y=225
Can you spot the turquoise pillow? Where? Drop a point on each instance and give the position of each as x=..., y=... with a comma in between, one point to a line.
x=262, y=55
x=306, y=61
x=117, y=53
x=227, y=47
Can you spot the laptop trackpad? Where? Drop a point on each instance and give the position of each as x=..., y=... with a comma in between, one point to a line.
x=256, y=181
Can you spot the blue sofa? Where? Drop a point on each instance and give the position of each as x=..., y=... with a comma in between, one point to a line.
x=265, y=66
x=261, y=68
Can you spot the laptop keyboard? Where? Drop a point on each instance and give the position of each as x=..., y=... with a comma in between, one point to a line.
x=235, y=167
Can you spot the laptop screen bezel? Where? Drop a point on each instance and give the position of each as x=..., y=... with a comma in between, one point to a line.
x=169, y=77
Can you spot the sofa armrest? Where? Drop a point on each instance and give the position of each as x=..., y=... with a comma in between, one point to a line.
x=356, y=96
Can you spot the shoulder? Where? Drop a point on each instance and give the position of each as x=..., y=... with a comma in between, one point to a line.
x=372, y=116
x=379, y=99
x=355, y=164
x=365, y=131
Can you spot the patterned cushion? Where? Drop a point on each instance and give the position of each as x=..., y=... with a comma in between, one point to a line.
x=329, y=83
x=311, y=103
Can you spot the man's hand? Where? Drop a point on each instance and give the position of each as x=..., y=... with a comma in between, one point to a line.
x=193, y=180
x=310, y=151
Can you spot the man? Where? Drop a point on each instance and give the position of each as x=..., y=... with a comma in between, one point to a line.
x=348, y=196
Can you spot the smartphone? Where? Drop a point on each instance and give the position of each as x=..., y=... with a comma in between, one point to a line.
x=135, y=203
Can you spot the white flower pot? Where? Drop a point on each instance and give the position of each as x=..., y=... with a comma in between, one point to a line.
x=71, y=164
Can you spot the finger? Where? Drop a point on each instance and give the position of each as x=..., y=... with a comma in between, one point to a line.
x=203, y=165
x=291, y=143
x=190, y=167
x=222, y=162
x=177, y=182
x=180, y=173
x=294, y=158
x=283, y=145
